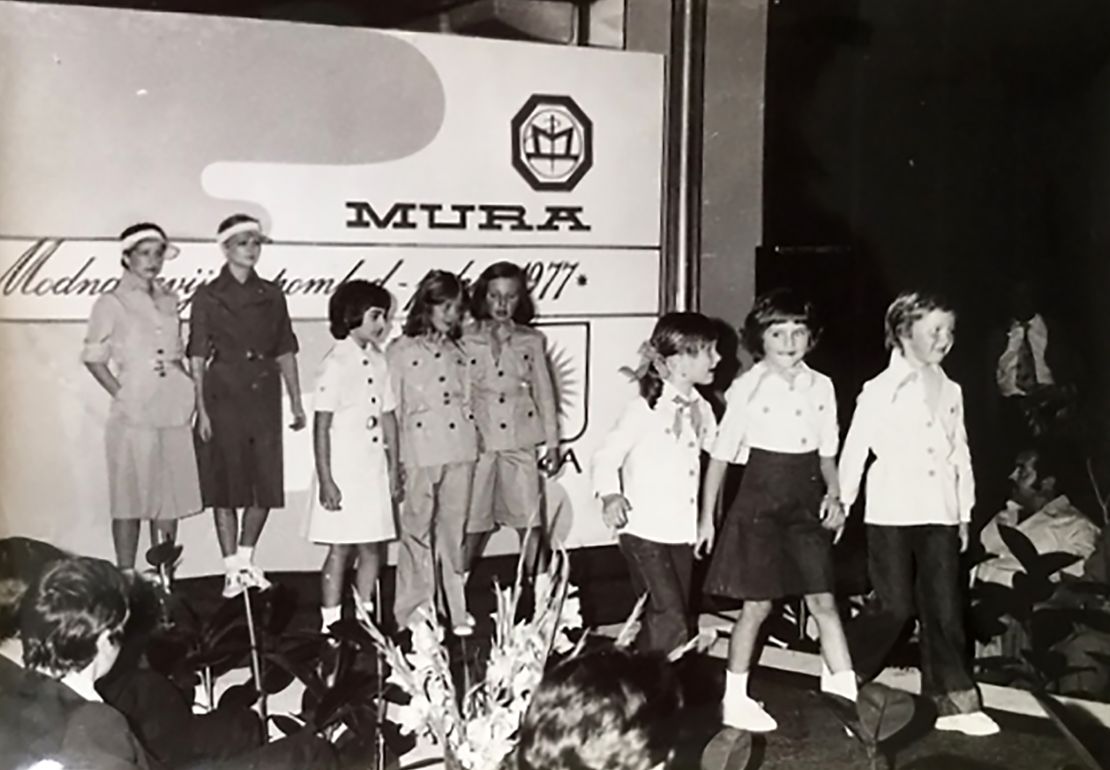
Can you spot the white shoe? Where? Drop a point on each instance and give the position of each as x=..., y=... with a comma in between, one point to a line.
x=976, y=723
x=254, y=577
x=746, y=713
x=233, y=584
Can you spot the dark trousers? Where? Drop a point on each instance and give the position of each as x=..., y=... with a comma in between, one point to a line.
x=662, y=571
x=917, y=566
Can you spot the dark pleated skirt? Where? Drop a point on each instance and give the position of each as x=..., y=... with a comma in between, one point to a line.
x=771, y=543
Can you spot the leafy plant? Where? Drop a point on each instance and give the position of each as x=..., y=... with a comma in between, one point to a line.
x=879, y=714
x=1037, y=616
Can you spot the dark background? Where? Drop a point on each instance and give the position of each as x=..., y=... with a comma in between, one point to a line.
x=940, y=144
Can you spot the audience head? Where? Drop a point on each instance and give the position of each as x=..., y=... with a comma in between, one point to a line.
x=782, y=327
x=22, y=560
x=1035, y=479
x=606, y=710
x=501, y=293
x=437, y=306
x=922, y=326
x=681, y=344
x=73, y=617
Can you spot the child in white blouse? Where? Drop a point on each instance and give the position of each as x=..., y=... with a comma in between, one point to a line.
x=776, y=540
x=920, y=492
x=355, y=443
x=646, y=472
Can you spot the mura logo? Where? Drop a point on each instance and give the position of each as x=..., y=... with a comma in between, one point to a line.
x=552, y=143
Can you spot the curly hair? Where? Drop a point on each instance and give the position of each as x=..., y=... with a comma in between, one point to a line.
x=437, y=287
x=479, y=303
x=66, y=610
x=775, y=307
x=605, y=710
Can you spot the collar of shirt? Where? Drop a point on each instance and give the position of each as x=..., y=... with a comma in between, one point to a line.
x=1035, y=324
x=670, y=393
x=129, y=282
x=81, y=685
x=225, y=281
x=349, y=348
x=900, y=373
x=1058, y=506
x=764, y=372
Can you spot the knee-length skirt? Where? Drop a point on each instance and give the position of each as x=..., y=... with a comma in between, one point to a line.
x=152, y=472
x=771, y=543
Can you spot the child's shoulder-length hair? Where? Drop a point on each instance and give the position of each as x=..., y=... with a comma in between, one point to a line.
x=479, y=303
x=436, y=288
x=674, y=333
x=907, y=308
x=778, y=306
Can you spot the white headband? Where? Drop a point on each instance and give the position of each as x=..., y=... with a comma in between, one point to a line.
x=246, y=226
x=147, y=233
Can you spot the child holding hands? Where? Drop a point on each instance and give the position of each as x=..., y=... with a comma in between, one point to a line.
x=355, y=442
x=776, y=540
x=920, y=491
x=646, y=473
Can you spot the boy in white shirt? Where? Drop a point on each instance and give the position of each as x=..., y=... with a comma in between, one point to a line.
x=647, y=473
x=920, y=491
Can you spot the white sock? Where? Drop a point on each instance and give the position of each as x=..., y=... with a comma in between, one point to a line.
x=232, y=563
x=736, y=681
x=368, y=607
x=329, y=615
x=246, y=554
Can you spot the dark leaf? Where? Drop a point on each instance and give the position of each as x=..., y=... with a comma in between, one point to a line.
x=287, y=725
x=1048, y=627
x=304, y=673
x=1049, y=564
x=1096, y=620
x=398, y=743
x=1086, y=739
x=729, y=749
x=1100, y=657
x=230, y=613
x=351, y=631
x=1020, y=546
x=1031, y=590
x=1089, y=587
x=883, y=711
x=275, y=679
x=280, y=609
x=165, y=553
x=239, y=696
x=992, y=598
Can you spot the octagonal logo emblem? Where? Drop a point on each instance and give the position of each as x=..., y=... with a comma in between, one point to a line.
x=552, y=143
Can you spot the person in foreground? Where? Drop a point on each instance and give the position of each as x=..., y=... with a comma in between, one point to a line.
x=604, y=710
x=920, y=492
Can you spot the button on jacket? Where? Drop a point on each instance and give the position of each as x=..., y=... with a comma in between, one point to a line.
x=657, y=471
x=431, y=385
x=514, y=396
x=922, y=471
x=766, y=411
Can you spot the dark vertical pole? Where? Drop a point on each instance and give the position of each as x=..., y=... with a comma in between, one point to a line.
x=685, y=86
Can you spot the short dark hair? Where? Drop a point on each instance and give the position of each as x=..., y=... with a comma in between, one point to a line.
x=775, y=307
x=22, y=560
x=479, y=306
x=349, y=303
x=66, y=610
x=128, y=231
x=437, y=287
x=906, y=309
x=675, y=333
x=605, y=710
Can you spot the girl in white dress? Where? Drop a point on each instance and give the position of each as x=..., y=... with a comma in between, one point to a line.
x=355, y=442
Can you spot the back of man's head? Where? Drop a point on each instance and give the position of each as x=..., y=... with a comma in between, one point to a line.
x=22, y=561
x=605, y=710
x=66, y=611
